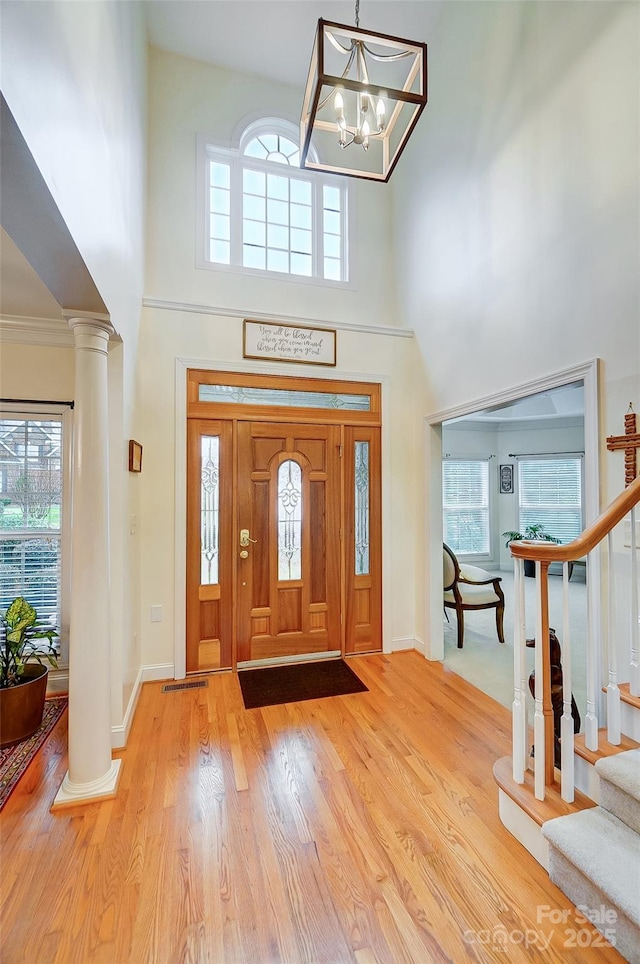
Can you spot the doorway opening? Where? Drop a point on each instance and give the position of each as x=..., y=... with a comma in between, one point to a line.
x=577, y=389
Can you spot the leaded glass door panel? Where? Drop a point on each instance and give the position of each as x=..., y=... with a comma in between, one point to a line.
x=209, y=545
x=288, y=552
x=363, y=557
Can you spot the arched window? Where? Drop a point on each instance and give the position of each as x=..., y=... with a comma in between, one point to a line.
x=265, y=214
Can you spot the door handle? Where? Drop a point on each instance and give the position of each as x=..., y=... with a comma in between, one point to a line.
x=245, y=539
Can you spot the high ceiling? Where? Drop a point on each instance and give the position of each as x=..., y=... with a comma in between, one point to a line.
x=274, y=38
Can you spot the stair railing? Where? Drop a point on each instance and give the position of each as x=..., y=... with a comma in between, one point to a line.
x=543, y=554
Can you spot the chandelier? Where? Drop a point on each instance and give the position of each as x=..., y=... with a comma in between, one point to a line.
x=364, y=94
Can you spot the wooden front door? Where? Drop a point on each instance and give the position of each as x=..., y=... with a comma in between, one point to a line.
x=289, y=540
x=283, y=523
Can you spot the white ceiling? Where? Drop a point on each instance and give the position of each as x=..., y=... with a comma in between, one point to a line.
x=564, y=402
x=274, y=38
x=22, y=293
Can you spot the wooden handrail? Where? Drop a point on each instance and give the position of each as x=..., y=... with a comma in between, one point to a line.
x=540, y=551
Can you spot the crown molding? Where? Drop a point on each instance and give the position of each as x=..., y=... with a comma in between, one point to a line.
x=164, y=305
x=51, y=332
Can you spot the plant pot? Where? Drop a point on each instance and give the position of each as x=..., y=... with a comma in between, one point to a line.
x=22, y=706
x=529, y=567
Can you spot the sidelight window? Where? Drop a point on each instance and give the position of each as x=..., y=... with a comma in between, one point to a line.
x=361, y=455
x=209, y=509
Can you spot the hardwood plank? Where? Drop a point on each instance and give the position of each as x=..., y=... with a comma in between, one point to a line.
x=362, y=828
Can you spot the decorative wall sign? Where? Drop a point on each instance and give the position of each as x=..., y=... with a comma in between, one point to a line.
x=289, y=343
x=506, y=479
x=135, y=456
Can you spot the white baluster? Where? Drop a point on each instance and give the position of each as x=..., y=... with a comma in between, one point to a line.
x=591, y=718
x=519, y=716
x=613, y=692
x=538, y=717
x=566, y=724
x=634, y=679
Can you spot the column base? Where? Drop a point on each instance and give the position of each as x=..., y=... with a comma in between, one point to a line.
x=75, y=794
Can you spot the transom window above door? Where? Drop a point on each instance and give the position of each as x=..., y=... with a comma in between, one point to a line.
x=263, y=214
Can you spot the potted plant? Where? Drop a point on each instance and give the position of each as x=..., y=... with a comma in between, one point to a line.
x=23, y=673
x=532, y=533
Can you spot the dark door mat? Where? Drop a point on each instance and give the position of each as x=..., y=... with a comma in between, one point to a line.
x=292, y=683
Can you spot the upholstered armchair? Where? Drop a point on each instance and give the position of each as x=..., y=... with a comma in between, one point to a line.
x=468, y=588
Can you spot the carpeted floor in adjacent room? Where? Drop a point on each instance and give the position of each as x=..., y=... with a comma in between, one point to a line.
x=487, y=664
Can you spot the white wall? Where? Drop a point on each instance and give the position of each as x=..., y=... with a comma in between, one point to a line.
x=517, y=213
x=205, y=340
x=34, y=371
x=187, y=98
x=518, y=210
x=74, y=77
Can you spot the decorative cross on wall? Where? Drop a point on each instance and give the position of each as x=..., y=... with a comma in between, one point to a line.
x=630, y=442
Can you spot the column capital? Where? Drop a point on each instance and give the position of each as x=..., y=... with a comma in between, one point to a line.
x=91, y=332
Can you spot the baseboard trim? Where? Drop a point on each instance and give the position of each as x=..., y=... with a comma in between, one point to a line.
x=146, y=674
x=401, y=644
x=58, y=683
x=157, y=671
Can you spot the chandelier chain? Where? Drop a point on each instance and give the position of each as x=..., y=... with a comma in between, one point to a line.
x=357, y=13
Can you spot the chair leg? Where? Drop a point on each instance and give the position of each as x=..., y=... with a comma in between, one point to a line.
x=460, y=615
x=500, y=622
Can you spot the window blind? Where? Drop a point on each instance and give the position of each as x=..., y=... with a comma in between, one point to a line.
x=465, y=501
x=550, y=494
x=30, y=513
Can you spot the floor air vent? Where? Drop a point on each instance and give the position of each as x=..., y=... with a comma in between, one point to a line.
x=193, y=685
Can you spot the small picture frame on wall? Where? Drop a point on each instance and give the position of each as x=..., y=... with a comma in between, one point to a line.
x=135, y=456
x=506, y=479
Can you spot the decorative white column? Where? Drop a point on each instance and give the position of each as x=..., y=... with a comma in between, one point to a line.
x=92, y=773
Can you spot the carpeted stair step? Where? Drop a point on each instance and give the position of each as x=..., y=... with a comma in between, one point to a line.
x=594, y=858
x=620, y=786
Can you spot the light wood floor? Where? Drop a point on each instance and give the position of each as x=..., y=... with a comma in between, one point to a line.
x=358, y=829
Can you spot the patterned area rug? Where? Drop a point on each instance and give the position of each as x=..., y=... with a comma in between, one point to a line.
x=15, y=759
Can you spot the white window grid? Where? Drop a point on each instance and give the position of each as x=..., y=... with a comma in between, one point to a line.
x=301, y=237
